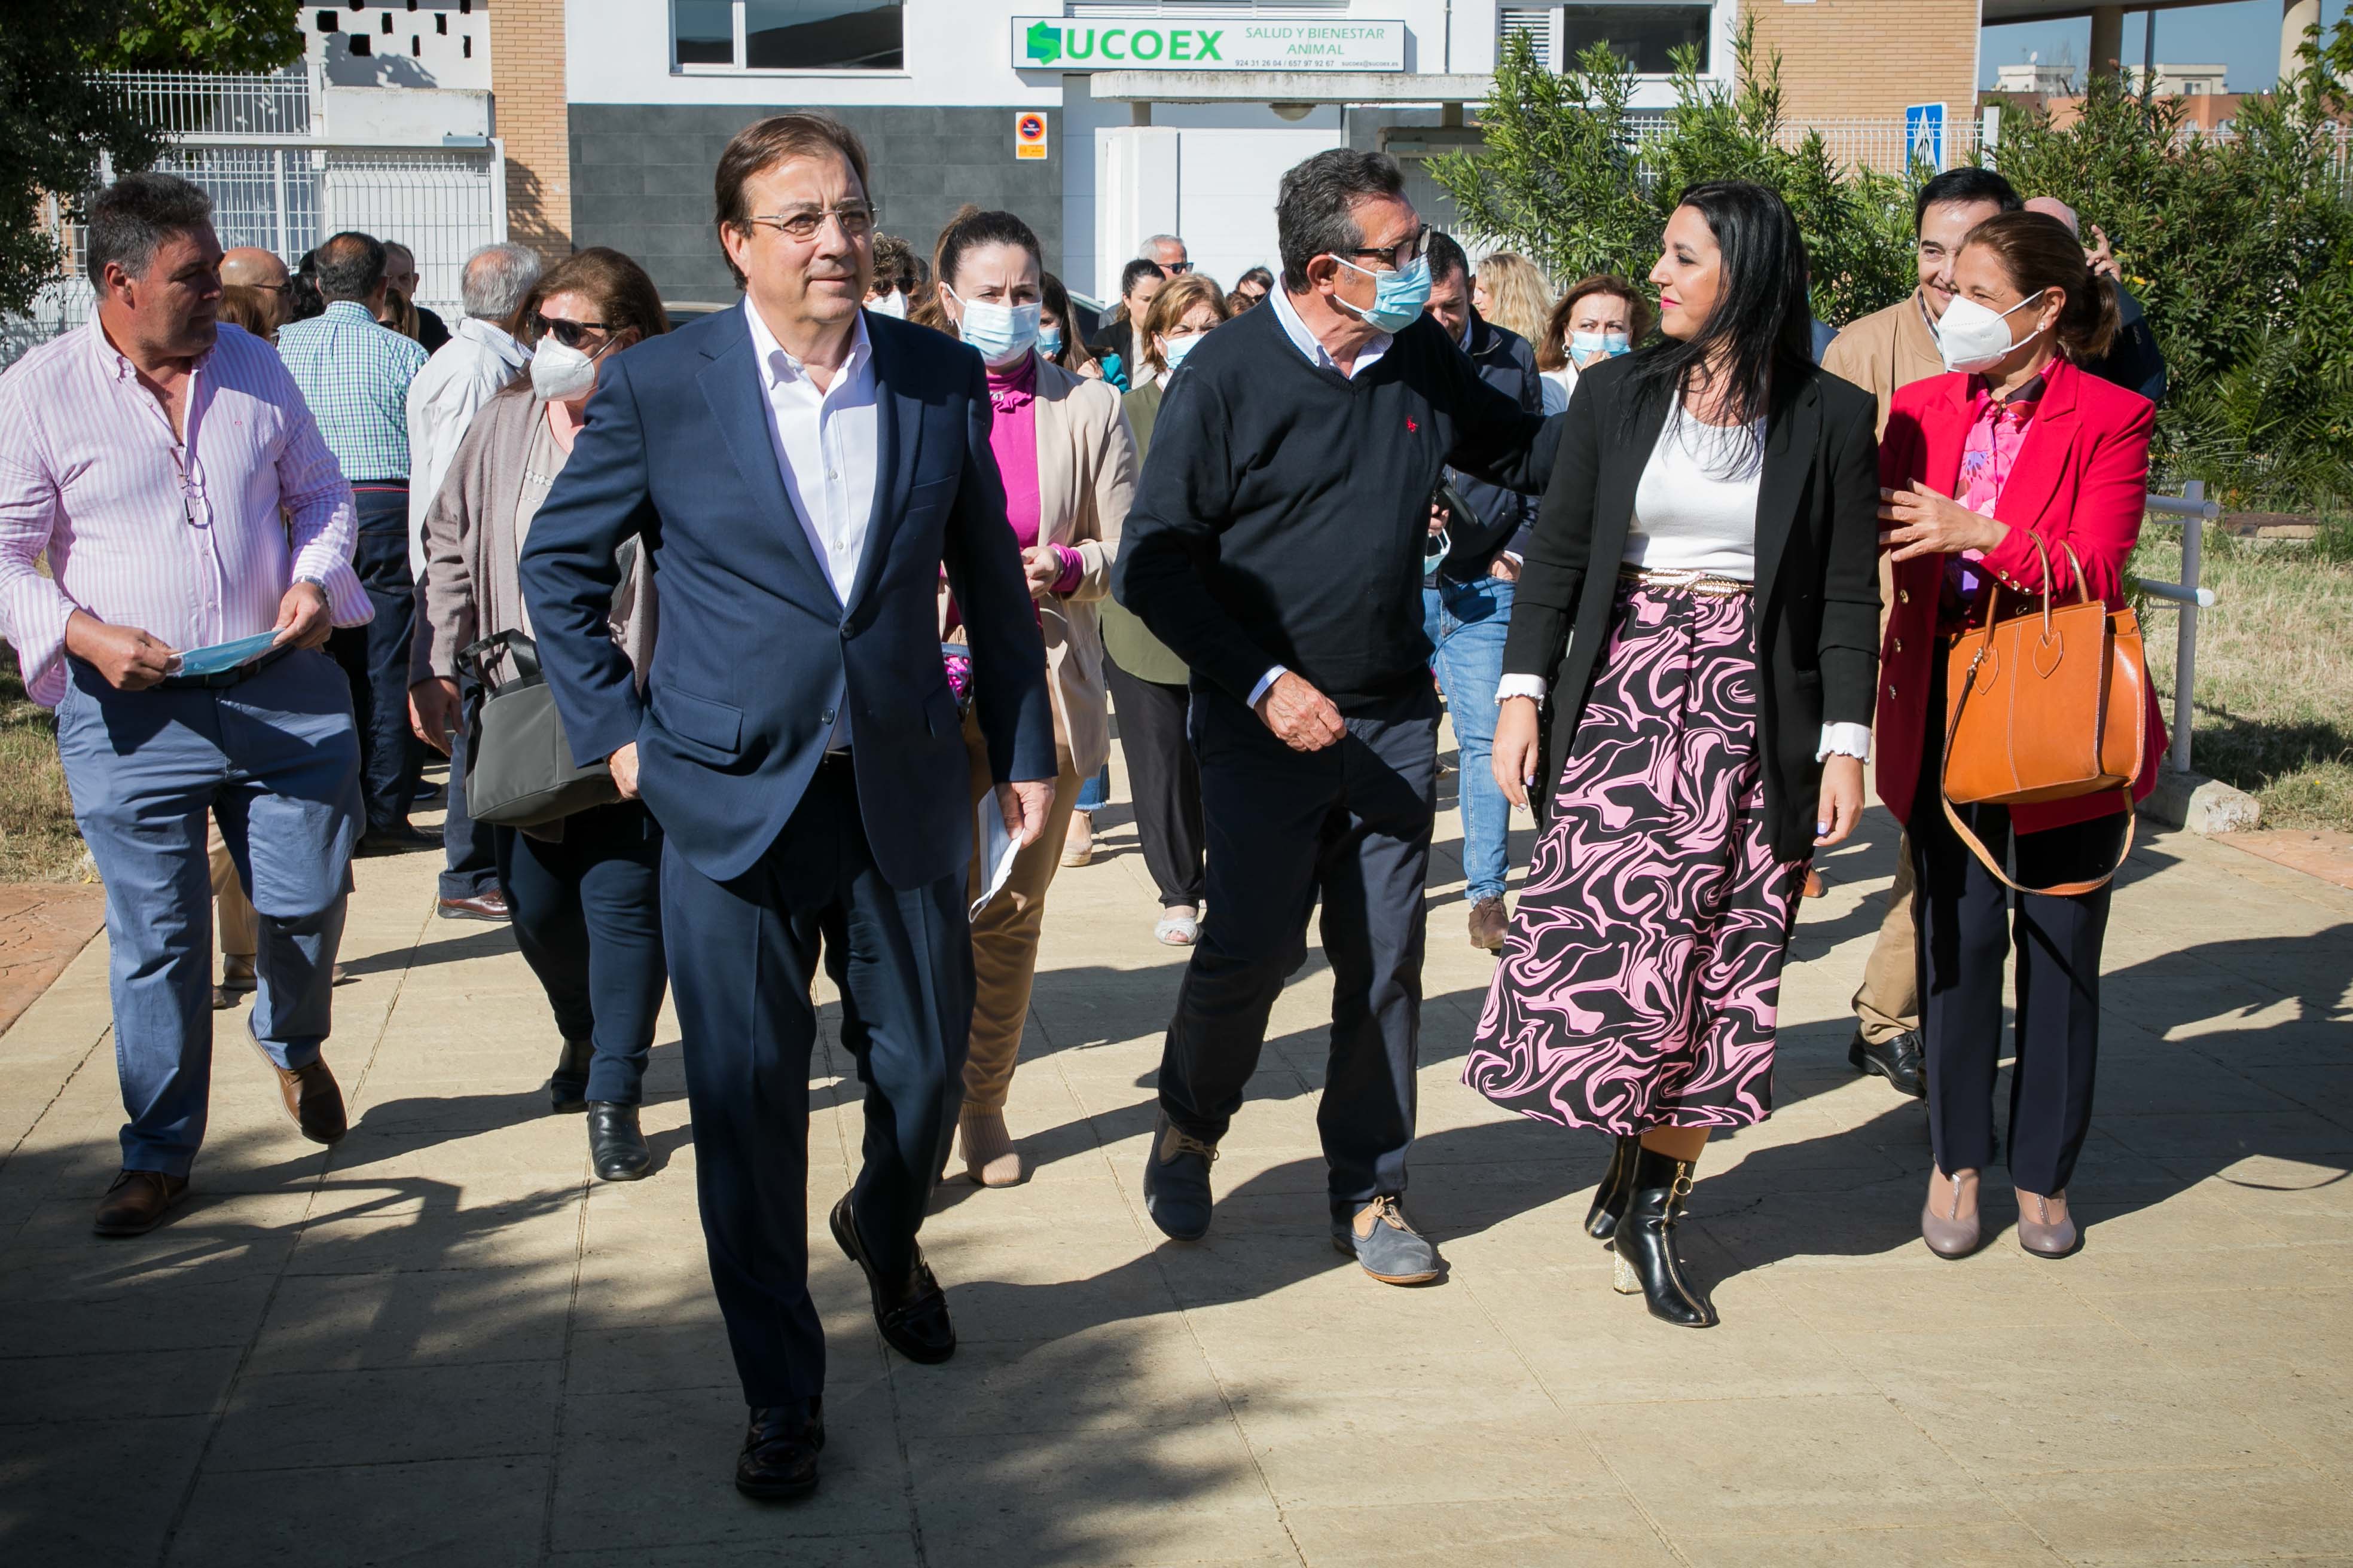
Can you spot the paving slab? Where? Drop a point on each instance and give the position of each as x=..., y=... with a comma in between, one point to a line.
x=444, y=1341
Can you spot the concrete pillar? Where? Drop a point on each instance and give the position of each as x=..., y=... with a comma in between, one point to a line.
x=2107, y=40
x=2295, y=16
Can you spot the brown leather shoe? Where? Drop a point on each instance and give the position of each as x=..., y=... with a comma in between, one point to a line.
x=313, y=1102
x=137, y=1203
x=489, y=906
x=1488, y=923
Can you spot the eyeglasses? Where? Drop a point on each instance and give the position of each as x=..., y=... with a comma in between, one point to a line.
x=1400, y=256
x=856, y=219
x=568, y=333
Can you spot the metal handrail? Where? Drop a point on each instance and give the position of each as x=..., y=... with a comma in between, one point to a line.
x=2193, y=511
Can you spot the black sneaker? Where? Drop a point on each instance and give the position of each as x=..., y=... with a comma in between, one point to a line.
x=1177, y=1181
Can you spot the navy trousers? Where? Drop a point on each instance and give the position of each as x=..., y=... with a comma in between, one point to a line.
x=274, y=758
x=1349, y=825
x=375, y=656
x=742, y=956
x=470, y=865
x=588, y=915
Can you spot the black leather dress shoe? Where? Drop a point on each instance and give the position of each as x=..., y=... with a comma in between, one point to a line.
x=398, y=838
x=780, y=1447
x=1899, y=1060
x=615, y=1147
x=912, y=1313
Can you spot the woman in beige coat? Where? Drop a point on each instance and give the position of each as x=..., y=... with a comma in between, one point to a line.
x=1069, y=464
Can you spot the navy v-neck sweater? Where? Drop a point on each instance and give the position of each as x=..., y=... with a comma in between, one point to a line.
x=1281, y=515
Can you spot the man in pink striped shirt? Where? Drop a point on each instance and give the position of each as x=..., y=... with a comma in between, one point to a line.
x=148, y=456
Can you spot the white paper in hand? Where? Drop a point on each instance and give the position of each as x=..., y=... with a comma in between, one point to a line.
x=997, y=849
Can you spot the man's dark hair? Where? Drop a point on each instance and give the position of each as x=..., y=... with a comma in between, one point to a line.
x=1314, y=212
x=765, y=143
x=1967, y=183
x=350, y=267
x=1446, y=258
x=135, y=214
x=1136, y=271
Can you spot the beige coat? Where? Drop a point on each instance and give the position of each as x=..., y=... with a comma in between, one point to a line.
x=1887, y=349
x=1086, y=479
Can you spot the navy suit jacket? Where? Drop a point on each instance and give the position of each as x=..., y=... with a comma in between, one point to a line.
x=755, y=654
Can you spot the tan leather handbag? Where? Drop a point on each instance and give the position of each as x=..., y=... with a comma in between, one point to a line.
x=2046, y=704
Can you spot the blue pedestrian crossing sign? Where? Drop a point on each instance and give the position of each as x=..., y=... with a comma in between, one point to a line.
x=1923, y=135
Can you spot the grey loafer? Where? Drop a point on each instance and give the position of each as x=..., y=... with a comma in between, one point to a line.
x=1385, y=1245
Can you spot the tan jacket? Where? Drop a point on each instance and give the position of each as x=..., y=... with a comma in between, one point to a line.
x=1887, y=349
x=1086, y=479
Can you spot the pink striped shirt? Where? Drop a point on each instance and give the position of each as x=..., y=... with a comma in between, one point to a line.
x=192, y=551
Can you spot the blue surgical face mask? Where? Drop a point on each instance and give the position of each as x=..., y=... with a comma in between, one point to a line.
x=1174, y=349
x=1050, y=341
x=1002, y=334
x=1397, y=296
x=1586, y=346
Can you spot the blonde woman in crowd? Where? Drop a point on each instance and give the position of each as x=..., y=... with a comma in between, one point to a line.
x=1511, y=291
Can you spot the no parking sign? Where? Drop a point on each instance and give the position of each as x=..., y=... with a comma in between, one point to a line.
x=1029, y=134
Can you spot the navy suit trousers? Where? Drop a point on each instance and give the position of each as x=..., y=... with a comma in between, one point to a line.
x=743, y=955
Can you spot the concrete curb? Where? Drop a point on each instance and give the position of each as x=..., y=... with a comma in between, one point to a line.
x=2201, y=804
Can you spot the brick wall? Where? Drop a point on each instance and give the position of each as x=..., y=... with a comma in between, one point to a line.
x=1845, y=59
x=528, y=98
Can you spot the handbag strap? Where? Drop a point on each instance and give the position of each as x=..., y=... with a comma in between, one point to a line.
x=519, y=649
x=1977, y=845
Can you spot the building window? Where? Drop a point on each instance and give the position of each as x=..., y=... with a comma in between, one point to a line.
x=329, y=22
x=360, y=44
x=1644, y=35
x=789, y=34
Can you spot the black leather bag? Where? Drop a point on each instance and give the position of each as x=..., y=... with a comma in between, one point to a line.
x=519, y=766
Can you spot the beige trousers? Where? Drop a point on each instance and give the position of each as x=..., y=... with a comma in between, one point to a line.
x=233, y=927
x=1888, y=1003
x=1004, y=934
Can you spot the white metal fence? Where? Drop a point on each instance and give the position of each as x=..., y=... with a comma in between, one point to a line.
x=280, y=183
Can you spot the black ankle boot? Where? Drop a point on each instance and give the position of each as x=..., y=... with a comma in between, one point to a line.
x=615, y=1147
x=567, y=1086
x=1617, y=1185
x=1648, y=1264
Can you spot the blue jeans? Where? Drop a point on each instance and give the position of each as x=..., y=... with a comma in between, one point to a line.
x=1095, y=793
x=275, y=759
x=1467, y=623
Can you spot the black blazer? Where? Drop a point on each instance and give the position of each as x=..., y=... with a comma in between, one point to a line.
x=1817, y=573
x=756, y=652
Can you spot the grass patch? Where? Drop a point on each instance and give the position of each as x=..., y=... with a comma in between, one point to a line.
x=2275, y=699
x=38, y=841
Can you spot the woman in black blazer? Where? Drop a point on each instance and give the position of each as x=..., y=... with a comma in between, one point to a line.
x=1711, y=539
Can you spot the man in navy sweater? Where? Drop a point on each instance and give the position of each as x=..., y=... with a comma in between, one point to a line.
x=1276, y=546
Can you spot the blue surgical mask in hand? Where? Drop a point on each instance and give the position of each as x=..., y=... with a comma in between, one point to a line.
x=223, y=655
x=1002, y=334
x=1397, y=296
x=1585, y=347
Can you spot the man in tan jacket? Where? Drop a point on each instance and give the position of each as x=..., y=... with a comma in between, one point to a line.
x=1887, y=349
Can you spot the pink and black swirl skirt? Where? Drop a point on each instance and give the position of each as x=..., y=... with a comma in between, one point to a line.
x=1641, y=977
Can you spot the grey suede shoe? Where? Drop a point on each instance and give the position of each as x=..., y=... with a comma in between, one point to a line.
x=2044, y=1227
x=1177, y=1181
x=1948, y=1232
x=1385, y=1245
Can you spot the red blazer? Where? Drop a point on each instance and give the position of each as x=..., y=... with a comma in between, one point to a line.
x=2082, y=476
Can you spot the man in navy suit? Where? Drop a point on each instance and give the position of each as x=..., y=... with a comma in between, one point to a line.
x=801, y=470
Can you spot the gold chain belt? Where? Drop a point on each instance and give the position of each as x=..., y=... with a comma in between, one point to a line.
x=1685, y=580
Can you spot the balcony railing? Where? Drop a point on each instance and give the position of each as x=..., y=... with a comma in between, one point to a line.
x=191, y=103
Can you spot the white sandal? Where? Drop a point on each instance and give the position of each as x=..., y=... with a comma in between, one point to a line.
x=1178, y=930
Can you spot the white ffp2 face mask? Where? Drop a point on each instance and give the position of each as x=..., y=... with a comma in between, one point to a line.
x=1974, y=337
x=893, y=304
x=559, y=373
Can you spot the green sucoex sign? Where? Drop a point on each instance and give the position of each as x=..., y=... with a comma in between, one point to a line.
x=1211, y=44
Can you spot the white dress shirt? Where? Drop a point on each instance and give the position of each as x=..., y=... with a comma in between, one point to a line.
x=827, y=445
x=1308, y=343
x=463, y=374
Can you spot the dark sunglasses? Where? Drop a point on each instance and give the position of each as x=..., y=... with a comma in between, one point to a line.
x=568, y=333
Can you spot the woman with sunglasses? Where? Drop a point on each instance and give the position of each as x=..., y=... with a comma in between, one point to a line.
x=1700, y=608
x=1069, y=466
x=584, y=891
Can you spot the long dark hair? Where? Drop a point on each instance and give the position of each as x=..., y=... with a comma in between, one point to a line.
x=1759, y=338
x=1074, y=356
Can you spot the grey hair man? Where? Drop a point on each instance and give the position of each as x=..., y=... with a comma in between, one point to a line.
x=1169, y=251
x=484, y=355
x=2133, y=360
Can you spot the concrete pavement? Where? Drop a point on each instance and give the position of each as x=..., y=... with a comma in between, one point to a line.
x=443, y=1341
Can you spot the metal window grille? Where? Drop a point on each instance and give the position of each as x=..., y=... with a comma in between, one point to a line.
x=1536, y=23
x=190, y=103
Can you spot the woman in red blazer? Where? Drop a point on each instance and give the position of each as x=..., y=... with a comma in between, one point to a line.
x=2018, y=444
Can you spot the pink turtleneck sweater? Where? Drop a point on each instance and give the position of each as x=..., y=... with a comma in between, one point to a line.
x=1013, y=441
